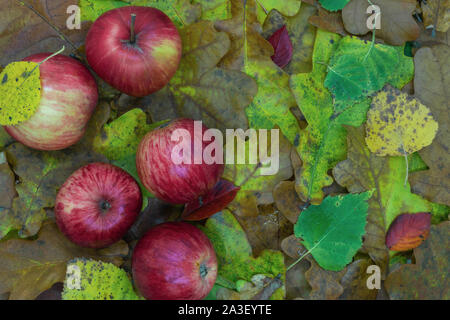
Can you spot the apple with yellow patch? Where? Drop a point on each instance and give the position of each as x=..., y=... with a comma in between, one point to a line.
x=135, y=49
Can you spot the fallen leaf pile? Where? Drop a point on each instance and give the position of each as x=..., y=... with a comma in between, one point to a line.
x=363, y=120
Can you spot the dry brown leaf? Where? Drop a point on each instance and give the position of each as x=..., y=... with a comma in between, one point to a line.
x=436, y=14
x=287, y=200
x=7, y=182
x=29, y=267
x=330, y=21
x=397, y=23
x=429, y=277
x=24, y=32
x=432, y=87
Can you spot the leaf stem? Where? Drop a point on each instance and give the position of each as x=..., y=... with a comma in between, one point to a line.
x=298, y=260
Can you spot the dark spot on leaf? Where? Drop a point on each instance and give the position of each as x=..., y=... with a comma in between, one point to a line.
x=5, y=78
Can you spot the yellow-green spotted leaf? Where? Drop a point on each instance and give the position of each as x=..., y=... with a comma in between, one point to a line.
x=181, y=12
x=97, y=280
x=121, y=137
x=20, y=92
x=234, y=253
x=398, y=123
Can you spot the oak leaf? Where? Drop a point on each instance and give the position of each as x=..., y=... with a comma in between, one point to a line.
x=397, y=23
x=29, y=267
x=428, y=278
x=432, y=87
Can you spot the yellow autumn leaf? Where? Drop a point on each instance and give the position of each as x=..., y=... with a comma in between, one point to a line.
x=20, y=92
x=398, y=124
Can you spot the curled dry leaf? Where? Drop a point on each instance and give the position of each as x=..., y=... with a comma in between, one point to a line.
x=408, y=231
x=397, y=22
x=282, y=47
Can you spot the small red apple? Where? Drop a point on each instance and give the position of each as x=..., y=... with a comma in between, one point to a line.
x=97, y=205
x=174, y=261
x=175, y=183
x=136, y=50
x=68, y=98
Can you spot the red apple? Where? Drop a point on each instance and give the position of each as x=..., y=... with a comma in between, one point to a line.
x=175, y=183
x=68, y=99
x=174, y=261
x=97, y=205
x=137, y=58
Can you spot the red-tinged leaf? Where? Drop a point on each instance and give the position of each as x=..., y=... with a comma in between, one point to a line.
x=216, y=200
x=408, y=231
x=282, y=46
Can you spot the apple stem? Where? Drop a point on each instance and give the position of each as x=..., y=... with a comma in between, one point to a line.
x=132, y=36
